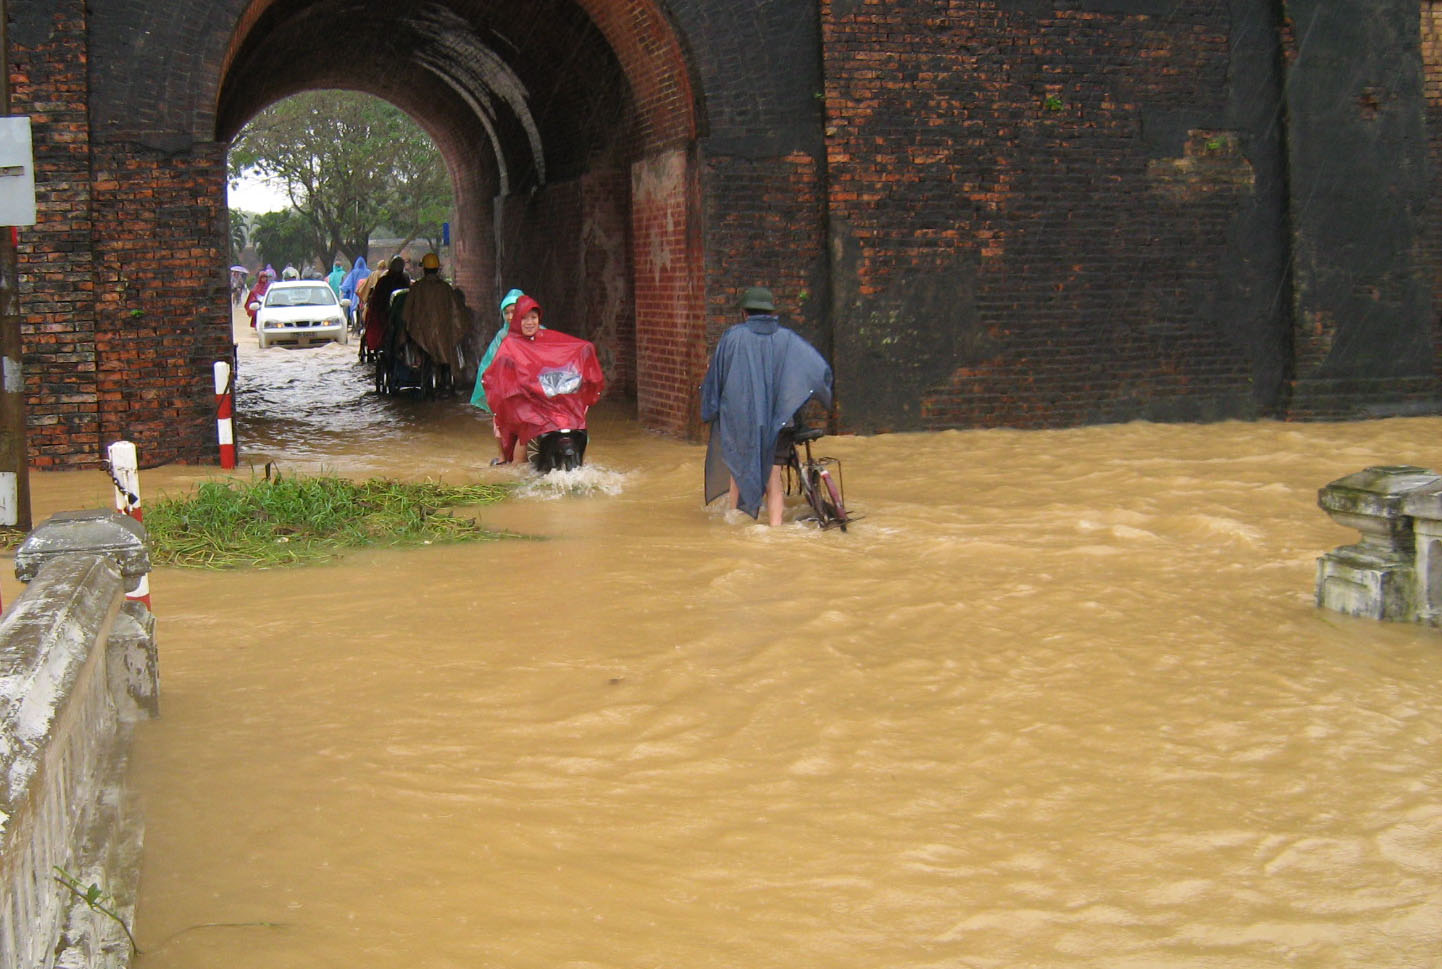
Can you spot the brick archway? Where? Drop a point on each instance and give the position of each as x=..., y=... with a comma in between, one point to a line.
x=570, y=147
x=552, y=117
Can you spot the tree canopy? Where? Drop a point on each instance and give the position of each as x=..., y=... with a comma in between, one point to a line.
x=350, y=163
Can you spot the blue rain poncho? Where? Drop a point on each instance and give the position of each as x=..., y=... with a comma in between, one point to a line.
x=354, y=278
x=760, y=376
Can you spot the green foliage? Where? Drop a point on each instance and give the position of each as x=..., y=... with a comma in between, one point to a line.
x=241, y=224
x=284, y=237
x=350, y=163
x=297, y=520
x=98, y=900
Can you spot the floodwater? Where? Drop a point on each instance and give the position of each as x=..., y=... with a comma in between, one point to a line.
x=1061, y=699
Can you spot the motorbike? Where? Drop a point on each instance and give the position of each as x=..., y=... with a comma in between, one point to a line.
x=559, y=450
x=541, y=391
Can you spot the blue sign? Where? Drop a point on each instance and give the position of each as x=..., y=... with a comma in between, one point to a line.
x=445, y=233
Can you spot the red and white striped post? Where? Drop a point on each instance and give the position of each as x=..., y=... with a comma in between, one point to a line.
x=125, y=470
x=224, y=408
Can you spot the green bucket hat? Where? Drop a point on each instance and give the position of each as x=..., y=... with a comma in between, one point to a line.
x=758, y=298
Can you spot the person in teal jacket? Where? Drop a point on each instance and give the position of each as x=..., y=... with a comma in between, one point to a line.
x=478, y=396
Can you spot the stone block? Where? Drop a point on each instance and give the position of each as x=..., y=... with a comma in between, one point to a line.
x=118, y=537
x=1377, y=577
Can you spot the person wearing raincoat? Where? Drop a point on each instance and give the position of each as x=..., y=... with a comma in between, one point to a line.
x=257, y=292
x=378, y=303
x=478, y=396
x=348, y=285
x=760, y=375
x=540, y=380
x=336, y=277
x=429, y=316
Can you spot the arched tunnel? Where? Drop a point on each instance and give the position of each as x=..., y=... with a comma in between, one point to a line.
x=539, y=110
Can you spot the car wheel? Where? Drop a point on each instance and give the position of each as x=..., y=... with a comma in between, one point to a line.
x=344, y=336
x=260, y=338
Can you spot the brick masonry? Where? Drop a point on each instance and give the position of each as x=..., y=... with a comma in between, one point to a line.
x=1007, y=212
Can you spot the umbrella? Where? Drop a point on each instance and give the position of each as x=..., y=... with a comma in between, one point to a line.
x=239, y=269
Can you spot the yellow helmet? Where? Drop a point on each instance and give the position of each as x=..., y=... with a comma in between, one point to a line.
x=430, y=261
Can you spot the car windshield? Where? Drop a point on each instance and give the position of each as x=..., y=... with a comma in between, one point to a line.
x=318, y=295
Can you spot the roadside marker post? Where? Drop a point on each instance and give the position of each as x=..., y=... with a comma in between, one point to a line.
x=224, y=413
x=125, y=473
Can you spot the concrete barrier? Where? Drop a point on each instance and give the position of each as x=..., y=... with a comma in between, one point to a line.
x=77, y=669
x=1395, y=571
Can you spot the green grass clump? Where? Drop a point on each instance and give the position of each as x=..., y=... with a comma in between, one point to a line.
x=298, y=520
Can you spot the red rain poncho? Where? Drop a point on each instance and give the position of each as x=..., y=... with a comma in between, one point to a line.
x=539, y=384
x=257, y=294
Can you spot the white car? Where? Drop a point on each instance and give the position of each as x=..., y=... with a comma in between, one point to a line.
x=300, y=311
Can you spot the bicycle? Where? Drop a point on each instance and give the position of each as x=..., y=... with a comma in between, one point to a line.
x=812, y=478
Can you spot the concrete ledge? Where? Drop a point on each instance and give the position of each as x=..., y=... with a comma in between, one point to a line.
x=77, y=665
x=1395, y=572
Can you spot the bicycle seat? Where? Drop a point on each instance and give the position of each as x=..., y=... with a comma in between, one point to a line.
x=803, y=434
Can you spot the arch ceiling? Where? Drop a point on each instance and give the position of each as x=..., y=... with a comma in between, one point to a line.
x=532, y=90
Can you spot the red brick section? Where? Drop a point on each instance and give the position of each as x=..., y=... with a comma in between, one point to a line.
x=988, y=179
x=670, y=321
x=666, y=249
x=161, y=298
x=655, y=66
x=123, y=295
x=57, y=277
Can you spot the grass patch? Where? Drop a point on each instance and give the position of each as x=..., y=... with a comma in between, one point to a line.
x=298, y=520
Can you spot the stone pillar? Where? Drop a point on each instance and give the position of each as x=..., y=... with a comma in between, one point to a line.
x=1424, y=506
x=1377, y=577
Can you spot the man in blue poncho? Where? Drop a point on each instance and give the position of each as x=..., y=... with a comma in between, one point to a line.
x=760, y=376
x=348, y=285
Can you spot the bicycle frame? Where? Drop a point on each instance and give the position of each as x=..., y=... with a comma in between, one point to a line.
x=814, y=481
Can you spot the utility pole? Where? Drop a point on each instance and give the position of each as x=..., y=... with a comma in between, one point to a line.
x=14, y=464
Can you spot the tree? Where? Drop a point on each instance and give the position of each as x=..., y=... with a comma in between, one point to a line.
x=242, y=224
x=349, y=163
x=284, y=237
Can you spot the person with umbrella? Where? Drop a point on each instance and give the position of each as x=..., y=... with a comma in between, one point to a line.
x=238, y=276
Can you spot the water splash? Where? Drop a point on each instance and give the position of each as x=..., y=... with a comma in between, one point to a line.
x=588, y=480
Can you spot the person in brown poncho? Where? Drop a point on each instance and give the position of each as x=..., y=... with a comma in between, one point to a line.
x=430, y=317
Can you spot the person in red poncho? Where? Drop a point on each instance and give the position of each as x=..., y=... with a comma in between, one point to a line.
x=257, y=292
x=540, y=380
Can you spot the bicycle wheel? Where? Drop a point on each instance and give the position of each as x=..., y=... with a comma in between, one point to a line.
x=834, y=504
x=815, y=493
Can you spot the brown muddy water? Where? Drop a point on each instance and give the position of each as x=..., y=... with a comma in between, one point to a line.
x=1062, y=699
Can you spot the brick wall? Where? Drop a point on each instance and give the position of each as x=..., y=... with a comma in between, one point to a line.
x=567, y=246
x=162, y=298
x=1357, y=165
x=1032, y=213
x=50, y=81
x=1431, y=249
x=766, y=226
x=1018, y=212
x=670, y=320
x=123, y=292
